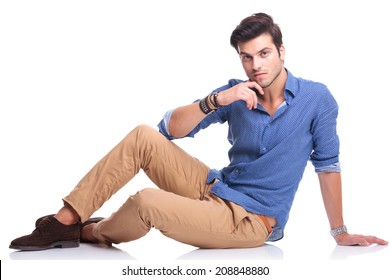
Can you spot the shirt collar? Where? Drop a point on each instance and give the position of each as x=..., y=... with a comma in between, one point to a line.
x=291, y=88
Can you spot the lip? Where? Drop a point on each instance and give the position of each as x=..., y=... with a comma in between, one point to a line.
x=257, y=75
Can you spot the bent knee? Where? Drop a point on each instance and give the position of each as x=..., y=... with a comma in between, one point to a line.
x=144, y=130
x=144, y=134
x=147, y=198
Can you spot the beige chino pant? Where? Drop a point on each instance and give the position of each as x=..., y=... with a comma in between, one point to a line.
x=183, y=208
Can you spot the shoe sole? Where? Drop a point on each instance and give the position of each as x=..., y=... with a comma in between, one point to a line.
x=58, y=244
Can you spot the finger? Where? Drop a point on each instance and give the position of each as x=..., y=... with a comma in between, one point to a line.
x=362, y=240
x=256, y=87
x=259, y=89
x=375, y=240
x=250, y=98
x=254, y=95
x=354, y=241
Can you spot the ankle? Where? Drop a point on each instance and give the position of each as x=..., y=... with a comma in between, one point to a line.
x=67, y=215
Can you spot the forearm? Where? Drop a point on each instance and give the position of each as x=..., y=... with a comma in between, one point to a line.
x=184, y=119
x=331, y=189
x=332, y=195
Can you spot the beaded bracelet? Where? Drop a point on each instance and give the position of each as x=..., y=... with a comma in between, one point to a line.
x=215, y=95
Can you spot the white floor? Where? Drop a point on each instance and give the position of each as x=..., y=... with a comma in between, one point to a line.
x=284, y=258
x=156, y=247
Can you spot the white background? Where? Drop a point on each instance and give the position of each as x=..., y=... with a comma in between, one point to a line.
x=77, y=76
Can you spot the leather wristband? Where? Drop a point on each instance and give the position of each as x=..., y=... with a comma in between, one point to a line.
x=204, y=106
x=209, y=104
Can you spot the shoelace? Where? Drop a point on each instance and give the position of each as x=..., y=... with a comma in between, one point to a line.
x=43, y=225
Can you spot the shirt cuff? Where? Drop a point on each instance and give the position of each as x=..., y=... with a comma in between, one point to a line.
x=335, y=167
x=164, y=124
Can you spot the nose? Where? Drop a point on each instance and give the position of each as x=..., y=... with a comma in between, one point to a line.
x=257, y=63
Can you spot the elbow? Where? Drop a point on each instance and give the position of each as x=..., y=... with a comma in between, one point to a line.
x=175, y=129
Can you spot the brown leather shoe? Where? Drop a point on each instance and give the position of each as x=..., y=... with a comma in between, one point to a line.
x=49, y=233
x=89, y=221
x=41, y=218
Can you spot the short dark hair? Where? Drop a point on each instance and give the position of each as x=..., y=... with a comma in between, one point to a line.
x=254, y=26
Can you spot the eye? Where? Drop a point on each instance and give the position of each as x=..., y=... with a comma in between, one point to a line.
x=246, y=58
x=264, y=53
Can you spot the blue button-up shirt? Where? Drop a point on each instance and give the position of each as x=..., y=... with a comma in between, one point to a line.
x=269, y=154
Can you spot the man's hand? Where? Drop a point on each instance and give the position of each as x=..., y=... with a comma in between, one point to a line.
x=347, y=239
x=242, y=91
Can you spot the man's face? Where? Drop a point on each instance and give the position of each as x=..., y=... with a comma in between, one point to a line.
x=261, y=60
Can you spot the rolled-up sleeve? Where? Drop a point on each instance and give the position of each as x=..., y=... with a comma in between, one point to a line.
x=214, y=117
x=164, y=124
x=326, y=148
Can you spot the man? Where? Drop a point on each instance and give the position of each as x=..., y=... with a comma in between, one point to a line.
x=277, y=122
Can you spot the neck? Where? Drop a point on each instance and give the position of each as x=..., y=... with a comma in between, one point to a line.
x=275, y=91
x=274, y=94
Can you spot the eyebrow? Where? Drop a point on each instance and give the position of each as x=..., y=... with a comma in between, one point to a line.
x=245, y=53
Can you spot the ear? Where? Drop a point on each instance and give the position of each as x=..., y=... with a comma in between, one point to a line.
x=282, y=52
